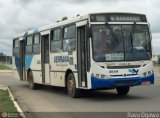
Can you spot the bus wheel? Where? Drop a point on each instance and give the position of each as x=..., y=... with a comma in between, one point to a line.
x=122, y=90
x=40, y=86
x=71, y=86
x=32, y=85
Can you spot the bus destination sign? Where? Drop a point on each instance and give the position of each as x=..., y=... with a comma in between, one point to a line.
x=118, y=17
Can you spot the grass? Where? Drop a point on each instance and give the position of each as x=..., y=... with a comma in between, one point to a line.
x=157, y=65
x=6, y=104
x=3, y=67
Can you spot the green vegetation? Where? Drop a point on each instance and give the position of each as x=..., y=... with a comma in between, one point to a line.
x=6, y=104
x=3, y=67
x=157, y=65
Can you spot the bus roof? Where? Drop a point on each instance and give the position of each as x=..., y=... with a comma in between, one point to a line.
x=54, y=25
x=69, y=21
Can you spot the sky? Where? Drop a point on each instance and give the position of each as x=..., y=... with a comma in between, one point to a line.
x=17, y=16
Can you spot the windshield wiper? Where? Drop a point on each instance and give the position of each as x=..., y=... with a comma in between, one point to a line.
x=112, y=32
x=131, y=35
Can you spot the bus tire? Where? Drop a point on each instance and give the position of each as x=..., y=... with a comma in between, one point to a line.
x=40, y=86
x=123, y=90
x=32, y=85
x=71, y=86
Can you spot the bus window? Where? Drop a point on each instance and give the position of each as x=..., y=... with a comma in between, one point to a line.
x=16, y=43
x=69, y=42
x=16, y=47
x=56, y=42
x=29, y=45
x=36, y=44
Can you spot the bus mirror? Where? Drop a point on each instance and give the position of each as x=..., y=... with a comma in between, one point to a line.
x=89, y=32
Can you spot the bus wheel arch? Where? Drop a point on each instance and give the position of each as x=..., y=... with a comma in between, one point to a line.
x=28, y=71
x=66, y=76
x=30, y=78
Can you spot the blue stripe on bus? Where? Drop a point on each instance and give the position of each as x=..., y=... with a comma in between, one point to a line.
x=98, y=83
x=28, y=61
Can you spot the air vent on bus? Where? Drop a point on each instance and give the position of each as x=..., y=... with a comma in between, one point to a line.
x=123, y=82
x=125, y=75
x=131, y=74
x=116, y=75
x=123, y=67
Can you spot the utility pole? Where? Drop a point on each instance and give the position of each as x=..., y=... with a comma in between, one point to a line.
x=6, y=59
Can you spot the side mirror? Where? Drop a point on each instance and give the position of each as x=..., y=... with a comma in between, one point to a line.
x=89, y=32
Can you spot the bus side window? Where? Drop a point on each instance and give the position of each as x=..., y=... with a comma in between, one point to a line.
x=29, y=45
x=69, y=38
x=56, y=42
x=36, y=43
x=15, y=47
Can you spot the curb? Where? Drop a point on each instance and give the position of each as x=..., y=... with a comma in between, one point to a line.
x=6, y=71
x=3, y=87
x=16, y=104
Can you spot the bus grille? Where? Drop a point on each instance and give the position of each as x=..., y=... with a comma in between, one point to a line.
x=126, y=75
x=125, y=82
x=123, y=67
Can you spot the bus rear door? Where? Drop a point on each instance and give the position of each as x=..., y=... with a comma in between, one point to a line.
x=21, y=58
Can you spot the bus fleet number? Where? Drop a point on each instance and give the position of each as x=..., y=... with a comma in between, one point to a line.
x=113, y=71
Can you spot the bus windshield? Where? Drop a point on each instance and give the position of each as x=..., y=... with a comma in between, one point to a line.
x=121, y=42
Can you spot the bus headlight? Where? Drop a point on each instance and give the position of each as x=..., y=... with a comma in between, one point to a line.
x=147, y=73
x=103, y=76
x=99, y=76
x=95, y=75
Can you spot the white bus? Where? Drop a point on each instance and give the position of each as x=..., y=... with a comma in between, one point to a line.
x=96, y=51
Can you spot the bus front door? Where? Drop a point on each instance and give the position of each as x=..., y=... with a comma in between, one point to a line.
x=81, y=56
x=45, y=58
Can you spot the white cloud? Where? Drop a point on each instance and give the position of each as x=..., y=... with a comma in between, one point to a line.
x=17, y=16
x=156, y=43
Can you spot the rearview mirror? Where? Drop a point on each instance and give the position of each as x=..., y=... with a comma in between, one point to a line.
x=89, y=32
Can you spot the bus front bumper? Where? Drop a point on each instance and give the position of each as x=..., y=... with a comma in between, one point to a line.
x=99, y=83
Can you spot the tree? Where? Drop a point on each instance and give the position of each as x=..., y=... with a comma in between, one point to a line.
x=1, y=54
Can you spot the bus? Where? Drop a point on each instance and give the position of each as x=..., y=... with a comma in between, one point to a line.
x=98, y=51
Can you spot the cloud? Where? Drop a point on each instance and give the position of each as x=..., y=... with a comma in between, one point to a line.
x=5, y=46
x=17, y=16
x=156, y=43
